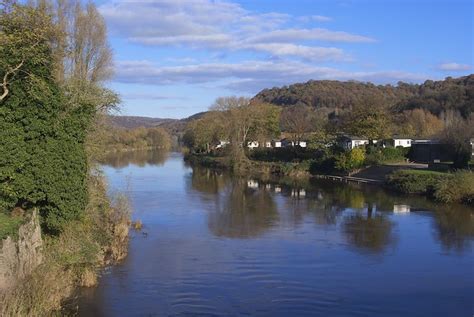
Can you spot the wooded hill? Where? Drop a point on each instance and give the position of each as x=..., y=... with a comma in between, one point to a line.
x=435, y=96
x=132, y=122
x=173, y=126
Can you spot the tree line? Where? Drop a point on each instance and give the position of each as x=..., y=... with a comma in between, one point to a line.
x=117, y=139
x=239, y=120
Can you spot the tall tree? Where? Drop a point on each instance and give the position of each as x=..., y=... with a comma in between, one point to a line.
x=458, y=136
x=43, y=162
x=299, y=121
x=368, y=119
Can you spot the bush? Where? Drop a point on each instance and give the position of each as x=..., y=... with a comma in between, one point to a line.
x=376, y=156
x=287, y=154
x=415, y=181
x=350, y=160
x=458, y=188
x=324, y=165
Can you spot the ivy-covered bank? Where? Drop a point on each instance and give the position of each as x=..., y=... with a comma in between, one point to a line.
x=53, y=63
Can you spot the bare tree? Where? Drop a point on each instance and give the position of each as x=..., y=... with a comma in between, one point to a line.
x=298, y=120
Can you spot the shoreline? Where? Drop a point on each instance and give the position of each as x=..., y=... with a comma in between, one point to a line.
x=300, y=171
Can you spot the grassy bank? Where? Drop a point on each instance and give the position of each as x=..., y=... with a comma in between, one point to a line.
x=444, y=187
x=74, y=257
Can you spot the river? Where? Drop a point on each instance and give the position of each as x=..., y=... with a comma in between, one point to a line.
x=217, y=245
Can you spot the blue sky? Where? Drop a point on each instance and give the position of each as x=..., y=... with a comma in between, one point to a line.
x=173, y=58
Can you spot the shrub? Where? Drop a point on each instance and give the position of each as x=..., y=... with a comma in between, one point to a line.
x=415, y=181
x=350, y=160
x=375, y=156
x=458, y=188
x=324, y=165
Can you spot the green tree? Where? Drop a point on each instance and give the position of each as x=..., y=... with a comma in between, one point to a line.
x=44, y=162
x=350, y=160
x=368, y=120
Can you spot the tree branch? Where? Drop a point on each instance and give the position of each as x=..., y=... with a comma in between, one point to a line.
x=5, y=80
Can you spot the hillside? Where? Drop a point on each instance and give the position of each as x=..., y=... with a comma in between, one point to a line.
x=436, y=96
x=131, y=122
x=337, y=96
x=173, y=126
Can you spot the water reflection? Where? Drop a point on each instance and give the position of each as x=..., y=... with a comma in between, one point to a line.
x=368, y=230
x=454, y=229
x=138, y=157
x=221, y=245
x=246, y=208
x=242, y=211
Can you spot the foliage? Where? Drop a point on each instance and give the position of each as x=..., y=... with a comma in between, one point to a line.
x=24, y=37
x=81, y=247
x=202, y=133
x=419, y=123
x=9, y=225
x=298, y=121
x=458, y=188
x=458, y=135
x=350, y=160
x=138, y=138
x=44, y=163
x=323, y=165
x=416, y=181
x=437, y=97
x=368, y=120
x=235, y=120
x=286, y=154
x=377, y=155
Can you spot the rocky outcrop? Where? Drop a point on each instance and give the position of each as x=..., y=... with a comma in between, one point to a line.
x=19, y=257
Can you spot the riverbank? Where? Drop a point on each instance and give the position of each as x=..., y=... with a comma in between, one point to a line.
x=406, y=178
x=253, y=168
x=72, y=259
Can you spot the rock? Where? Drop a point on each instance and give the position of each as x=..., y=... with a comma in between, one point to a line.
x=19, y=258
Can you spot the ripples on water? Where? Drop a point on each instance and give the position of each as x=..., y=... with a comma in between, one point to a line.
x=224, y=246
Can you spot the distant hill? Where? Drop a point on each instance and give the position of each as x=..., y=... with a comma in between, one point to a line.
x=132, y=122
x=436, y=96
x=174, y=126
x=333, y=96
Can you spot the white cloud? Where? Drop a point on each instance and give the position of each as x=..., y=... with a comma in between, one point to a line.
x=305, y=52
x=321, y=18
x=223, y=26
x=453, y=67
x=316, y=18
x=290, y=35
x=150, y=96
x=248, y=76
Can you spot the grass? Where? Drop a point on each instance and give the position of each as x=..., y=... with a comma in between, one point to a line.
x=457, y=187
x=9, y=225
x=416, y=181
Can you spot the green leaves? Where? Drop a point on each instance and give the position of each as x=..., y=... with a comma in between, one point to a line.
x=43, y=162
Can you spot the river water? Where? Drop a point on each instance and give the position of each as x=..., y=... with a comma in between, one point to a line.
x=217, y=245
